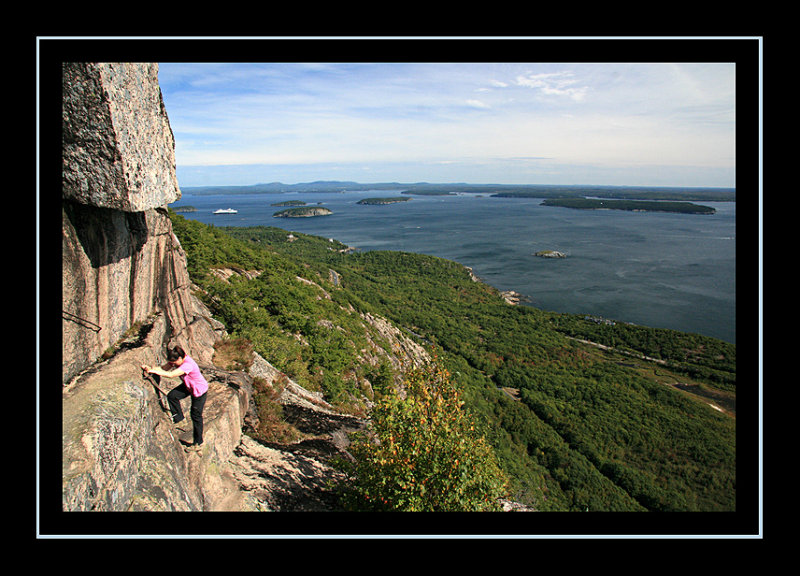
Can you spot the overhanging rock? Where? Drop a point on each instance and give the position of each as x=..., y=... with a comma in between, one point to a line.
x=118, y=147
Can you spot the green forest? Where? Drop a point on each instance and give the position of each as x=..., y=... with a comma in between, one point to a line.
x=582, y=415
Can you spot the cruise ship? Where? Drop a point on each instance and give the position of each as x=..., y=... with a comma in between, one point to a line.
x=226, y=211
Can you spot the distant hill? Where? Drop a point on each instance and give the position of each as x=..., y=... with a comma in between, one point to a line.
x=279, y=187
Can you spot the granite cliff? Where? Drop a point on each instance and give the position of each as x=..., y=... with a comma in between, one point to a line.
x=126, y=297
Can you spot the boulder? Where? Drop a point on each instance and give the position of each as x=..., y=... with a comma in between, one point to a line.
x=118, y=147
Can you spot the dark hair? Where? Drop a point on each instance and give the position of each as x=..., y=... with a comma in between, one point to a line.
x=175, y=353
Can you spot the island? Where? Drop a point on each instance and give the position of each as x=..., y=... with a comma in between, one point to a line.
x=302, y=212
x=290, y=203
x=423, y=192
x=550, y=254
x=382, y=201
x=631, y=205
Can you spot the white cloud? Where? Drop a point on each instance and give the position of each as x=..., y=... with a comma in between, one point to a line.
x=554, y=84
x=477, y=104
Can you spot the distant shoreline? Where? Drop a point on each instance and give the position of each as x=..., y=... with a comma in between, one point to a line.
x=707, y=194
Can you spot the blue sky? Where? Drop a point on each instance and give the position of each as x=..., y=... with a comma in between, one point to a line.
x=655, y=124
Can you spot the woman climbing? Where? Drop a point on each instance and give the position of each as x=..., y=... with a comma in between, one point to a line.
x=193, y=384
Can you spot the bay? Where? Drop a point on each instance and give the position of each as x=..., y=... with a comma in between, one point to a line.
x=663, y=270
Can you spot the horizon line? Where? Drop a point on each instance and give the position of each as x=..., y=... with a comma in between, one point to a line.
x=453, y=183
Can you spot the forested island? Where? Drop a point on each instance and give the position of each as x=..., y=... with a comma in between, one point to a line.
x=187, y=208
x=382, y=201
x=289, y=203
x=630, y=205
x=303, y=212
x=581, y=415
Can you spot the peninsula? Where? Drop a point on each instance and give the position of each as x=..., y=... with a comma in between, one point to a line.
x=630, y=205
x=302, y=212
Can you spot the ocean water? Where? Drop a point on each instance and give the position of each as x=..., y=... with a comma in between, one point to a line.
x=654, y=269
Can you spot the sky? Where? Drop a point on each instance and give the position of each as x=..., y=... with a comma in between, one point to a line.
x=659, y=124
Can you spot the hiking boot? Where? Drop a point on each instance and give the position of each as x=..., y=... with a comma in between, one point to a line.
x=196, y=448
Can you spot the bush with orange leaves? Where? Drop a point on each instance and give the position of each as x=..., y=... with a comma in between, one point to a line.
x=423, y=453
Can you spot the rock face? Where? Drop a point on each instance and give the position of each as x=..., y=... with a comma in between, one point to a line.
x=117, y=268
x=126, y=297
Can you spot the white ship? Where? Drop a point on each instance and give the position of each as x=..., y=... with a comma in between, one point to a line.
x=226, y=211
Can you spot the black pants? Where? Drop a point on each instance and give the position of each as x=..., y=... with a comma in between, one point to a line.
x=196, y=412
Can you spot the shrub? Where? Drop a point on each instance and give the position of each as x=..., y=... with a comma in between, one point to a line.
x=233, y=354
x=423, y=453
x=272, y=426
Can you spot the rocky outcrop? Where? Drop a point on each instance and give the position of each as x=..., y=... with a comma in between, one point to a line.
x=298, y=476
x=405, y=353
x=550, y=254
x=117, y=268
x=512, y=297
x=121, y=451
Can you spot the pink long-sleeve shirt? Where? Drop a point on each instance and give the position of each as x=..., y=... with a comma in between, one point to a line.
x=192, y=377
